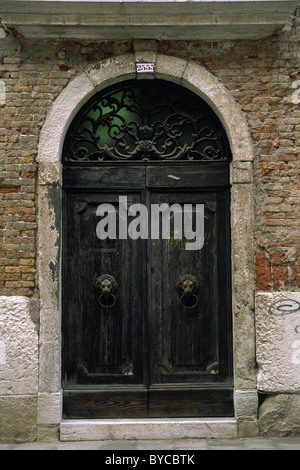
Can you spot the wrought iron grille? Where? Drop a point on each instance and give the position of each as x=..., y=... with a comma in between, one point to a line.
x=145, y=120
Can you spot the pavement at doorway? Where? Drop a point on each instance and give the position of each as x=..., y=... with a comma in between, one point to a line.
x=254, y=443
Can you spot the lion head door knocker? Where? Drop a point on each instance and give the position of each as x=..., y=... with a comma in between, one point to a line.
x=187, y=286
x=107, y=286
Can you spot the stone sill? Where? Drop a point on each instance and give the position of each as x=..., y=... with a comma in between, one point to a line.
x=98, y=430
x=160, y=19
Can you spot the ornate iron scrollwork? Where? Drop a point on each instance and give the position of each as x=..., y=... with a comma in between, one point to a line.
x=145, y=121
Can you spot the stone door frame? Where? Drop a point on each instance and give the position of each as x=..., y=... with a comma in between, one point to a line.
x=199, y=80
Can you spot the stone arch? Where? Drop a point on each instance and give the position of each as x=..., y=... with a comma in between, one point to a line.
x=188, y=74
x=199, y=80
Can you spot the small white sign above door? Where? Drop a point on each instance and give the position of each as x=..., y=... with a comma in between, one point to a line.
x=145, y=67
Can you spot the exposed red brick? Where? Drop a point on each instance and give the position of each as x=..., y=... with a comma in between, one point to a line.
x=5, y=189
x=263, y=273
x=277, y=256
x=280, y=276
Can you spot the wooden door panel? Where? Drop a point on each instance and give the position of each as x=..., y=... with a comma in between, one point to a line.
x=104, y=178
x=186, y=347
x=146, y=355
x=103, y=347
x=205, y=402
x=208, y=175
x=104, y=343
x=96, y=404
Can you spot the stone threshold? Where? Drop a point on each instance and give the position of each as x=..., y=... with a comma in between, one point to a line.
x=155, y=428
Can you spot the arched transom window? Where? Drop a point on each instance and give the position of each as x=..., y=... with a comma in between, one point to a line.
x=142, y=121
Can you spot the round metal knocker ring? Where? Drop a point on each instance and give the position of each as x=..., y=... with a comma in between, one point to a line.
x=109, y=305
x=192, y=306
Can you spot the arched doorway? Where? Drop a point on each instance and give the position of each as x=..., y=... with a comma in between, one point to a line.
x=146, y=291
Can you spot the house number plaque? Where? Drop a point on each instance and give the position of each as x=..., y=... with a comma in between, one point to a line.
x=145, y=67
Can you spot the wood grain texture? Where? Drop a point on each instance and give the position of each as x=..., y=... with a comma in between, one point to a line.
x=147, y=355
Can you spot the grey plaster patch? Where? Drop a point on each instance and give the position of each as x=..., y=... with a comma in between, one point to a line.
x=19, y=340
x=278, y=341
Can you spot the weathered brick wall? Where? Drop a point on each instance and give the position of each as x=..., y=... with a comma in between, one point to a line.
x=259, y=74
x=34, y=74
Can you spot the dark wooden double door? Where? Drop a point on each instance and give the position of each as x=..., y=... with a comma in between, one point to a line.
x=149, y=352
